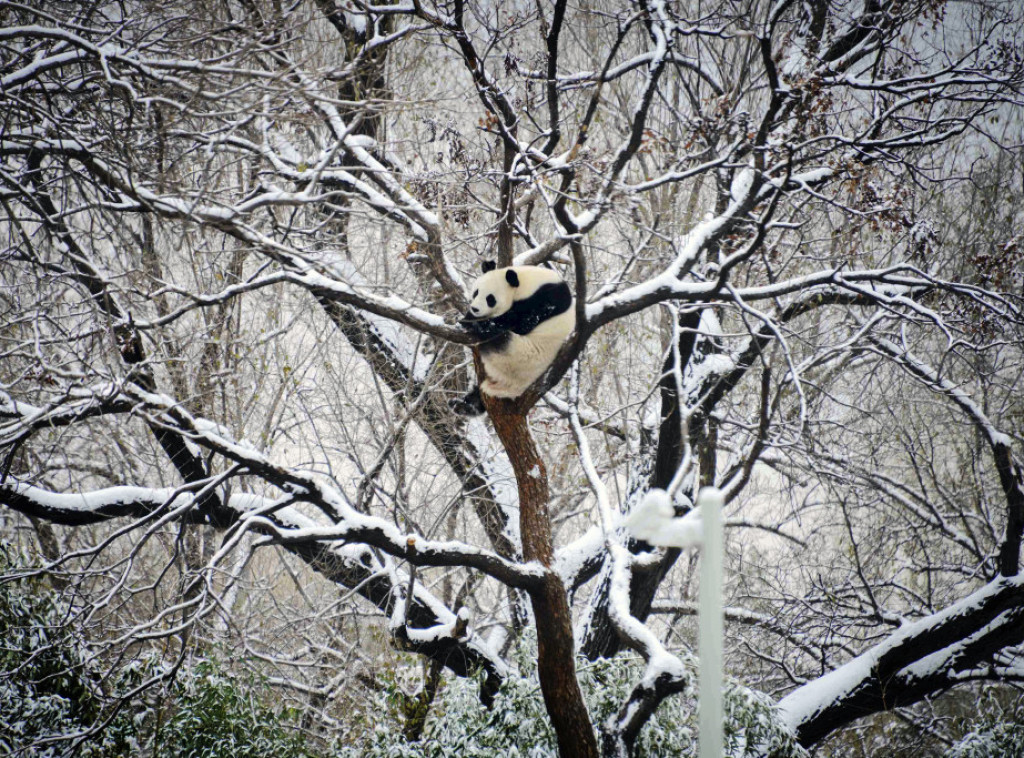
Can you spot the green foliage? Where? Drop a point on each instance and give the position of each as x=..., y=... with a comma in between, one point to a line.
x=999, y=733
x=459, y=726
x=216, y=716
x=518, y=725
x=976, y=721
x=52, y=704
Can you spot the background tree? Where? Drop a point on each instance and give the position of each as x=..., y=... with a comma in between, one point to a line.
x=236, y=242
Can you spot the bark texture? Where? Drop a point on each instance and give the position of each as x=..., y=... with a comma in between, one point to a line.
x=556, y=653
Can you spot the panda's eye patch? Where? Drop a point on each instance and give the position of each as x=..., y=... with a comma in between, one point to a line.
x=491, y=300
x=476, y=292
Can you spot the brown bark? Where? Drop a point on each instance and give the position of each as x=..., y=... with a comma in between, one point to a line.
x=556, y=653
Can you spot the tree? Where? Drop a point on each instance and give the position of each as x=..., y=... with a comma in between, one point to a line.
x=237, y=241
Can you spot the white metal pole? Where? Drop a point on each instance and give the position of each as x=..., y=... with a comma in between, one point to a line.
x=711, y=627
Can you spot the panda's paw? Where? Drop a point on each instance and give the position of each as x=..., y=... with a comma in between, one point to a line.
x=482, y=329
x=470, y=405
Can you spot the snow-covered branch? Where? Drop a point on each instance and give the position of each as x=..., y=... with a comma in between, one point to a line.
x=922, y=658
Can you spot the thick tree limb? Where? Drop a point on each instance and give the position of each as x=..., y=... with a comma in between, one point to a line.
x=321, y=550
x=923, y=658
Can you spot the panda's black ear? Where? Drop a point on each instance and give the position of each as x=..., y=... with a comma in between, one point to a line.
x=489, y=266
x=512, y=278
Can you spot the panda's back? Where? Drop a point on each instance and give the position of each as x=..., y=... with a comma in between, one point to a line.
x=557, y=327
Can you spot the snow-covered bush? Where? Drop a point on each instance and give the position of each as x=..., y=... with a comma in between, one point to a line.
x=517, y=727
x=218, y=716
x=50, y=704
x=458, y=725
x=998, y=733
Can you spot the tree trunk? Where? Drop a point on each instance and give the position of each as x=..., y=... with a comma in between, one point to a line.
x=556, y=653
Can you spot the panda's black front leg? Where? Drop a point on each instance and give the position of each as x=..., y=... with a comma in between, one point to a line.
x=469, y=405
x=491, y=335
x=484, y=330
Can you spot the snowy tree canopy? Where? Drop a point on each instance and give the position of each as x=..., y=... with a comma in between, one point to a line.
x=236, y=238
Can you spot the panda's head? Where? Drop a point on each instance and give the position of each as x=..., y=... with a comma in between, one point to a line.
x=494, y=292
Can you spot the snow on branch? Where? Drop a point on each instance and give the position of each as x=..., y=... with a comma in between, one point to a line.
x=326, y=550
x=82, y=508
x=231, y=221
x=18, y=419
x=921, y=658
x=285, y=527
x=347, y=523
x=468, y=448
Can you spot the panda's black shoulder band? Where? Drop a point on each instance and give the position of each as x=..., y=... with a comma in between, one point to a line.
x=550, y=300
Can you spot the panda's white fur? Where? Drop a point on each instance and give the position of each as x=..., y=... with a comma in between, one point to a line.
x=539, y=304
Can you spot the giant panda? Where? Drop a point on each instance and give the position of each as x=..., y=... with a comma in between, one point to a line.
x=521, y=315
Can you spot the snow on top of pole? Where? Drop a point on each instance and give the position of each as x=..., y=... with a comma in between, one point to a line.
x=654, y=521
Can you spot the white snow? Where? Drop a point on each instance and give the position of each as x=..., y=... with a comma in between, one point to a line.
x=571, y=558
x=390, y=332
x=654, y=520
x=741, y=184
x=95, y=500
x=803, y=703
x=497, y=471
x=12, y=407
x=713, y=365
